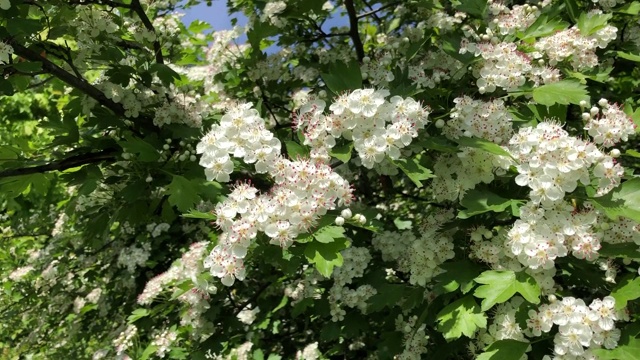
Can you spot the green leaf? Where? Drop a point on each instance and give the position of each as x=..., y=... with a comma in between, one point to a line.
x=194, y=214
x=6, y=88
x=342, y=77
x=414, y=170
x=628, y=289
x=480, y=200
x=627, y=56
x=632, y=153
x=148, y=351
x=166, y=74
x=562, y=92
x=458, y=274
x=439, y=143
x=476, y=8
x=137, y=314
x=328, y=234
x=295, y=150
x=623, y=201
x=198, y=26
x=462, y=317
x=182, y=193
x=504, y=350
x=28, y=66
x=589, y=23
x=543, y=26
x=482, y=144
x=342, y=152
x=624, y=250
x=145, y=151
x=23, y=26
x=500, y=286
x=325, y=256
x=402, y=224
x=632, y=8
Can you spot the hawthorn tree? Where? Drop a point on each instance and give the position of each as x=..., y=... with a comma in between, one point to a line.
x=438, y=179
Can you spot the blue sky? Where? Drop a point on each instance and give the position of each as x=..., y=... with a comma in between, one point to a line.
x=216, y=15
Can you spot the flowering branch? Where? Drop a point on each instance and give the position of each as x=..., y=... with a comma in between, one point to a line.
x=353, y=29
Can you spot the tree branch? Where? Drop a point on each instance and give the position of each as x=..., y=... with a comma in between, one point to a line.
x=137, y=7
x=353, y=29
x=68, y=78
x=67, y=163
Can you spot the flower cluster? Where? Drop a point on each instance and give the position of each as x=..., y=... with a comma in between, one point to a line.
x=551, y=163
x=504, y=326
x=610, y=125
x=414, y=338
x=189, y=267
x=458, y=173
x=304, y=190
x=354, y=264
x=579, y=326
x=125, y=340
x=543, y=234
x=572, y=44
x=163, y=341
x=241, y=134
x=420, y=257
x=271, y=11
x=488, y=120
x=506, y=21
x=505, y=67
x=436, y=67
x=377, y=127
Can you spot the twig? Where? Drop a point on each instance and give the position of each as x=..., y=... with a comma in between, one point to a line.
x=325, y=36
x=353, y=29
x=375, y=16
x=40, y=83
x=60, y=165
x=374, y=12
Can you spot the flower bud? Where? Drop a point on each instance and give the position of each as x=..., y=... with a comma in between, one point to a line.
x=339, y=221
x=583, y=103
x=615, y=153
x=603, y=103
x=439, y=123
x=346, y=213
x=148, y=179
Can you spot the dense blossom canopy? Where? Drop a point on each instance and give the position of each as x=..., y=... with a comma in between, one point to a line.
x=435, y=179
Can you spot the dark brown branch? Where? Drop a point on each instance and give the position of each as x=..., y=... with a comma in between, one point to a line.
x=101, y=2
x=353, y=29
x=137, y=7
x=68, y=78
x=325, y=36
x=374, y=12
x=64, y=164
